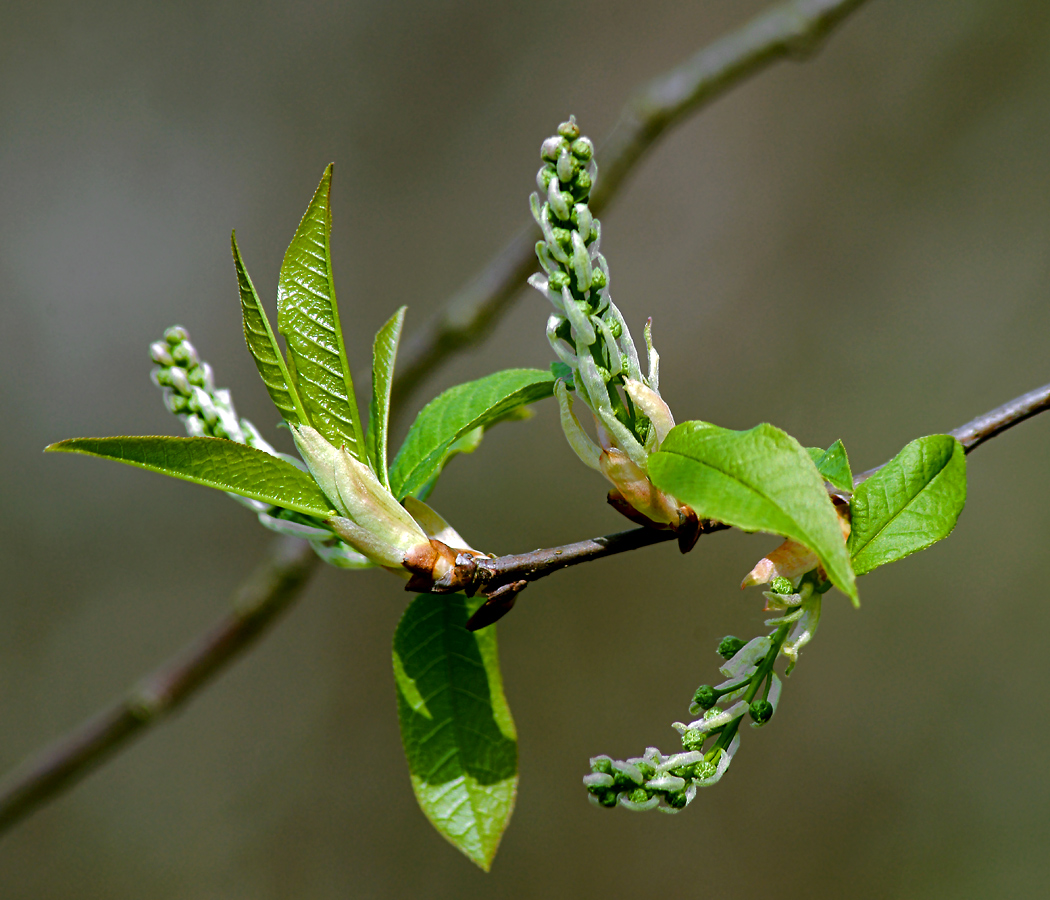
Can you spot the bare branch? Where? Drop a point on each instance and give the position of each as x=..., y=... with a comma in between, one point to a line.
x=257, y=604
x=791, y=30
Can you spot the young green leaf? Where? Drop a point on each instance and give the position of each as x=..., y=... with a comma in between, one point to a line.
x=263, y=346
x=833, y=465
x=910, y=503
x=384, y=352
x=309, y=320
x=757, y=480
x=452, y=414
x=456, y=727
x=215, y=463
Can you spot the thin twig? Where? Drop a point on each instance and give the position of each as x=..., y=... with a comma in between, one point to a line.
x=271, y=590
x=791, y=30
x=985, y=427
x=275, y=587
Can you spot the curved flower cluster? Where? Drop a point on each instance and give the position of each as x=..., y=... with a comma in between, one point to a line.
x=751, y=688
x=189, y=390
x=591, y=339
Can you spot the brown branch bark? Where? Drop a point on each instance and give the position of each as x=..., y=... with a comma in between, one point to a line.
x=257, y=604
x=791, y=30
x=276, y=585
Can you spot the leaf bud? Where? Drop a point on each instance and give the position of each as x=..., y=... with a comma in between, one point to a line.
x=729, y=646
x=761, y=711
x=583, y=149
x=782, y=585
x=550, y=150
x=705, y=696
x=176, y=335
x=569, y=130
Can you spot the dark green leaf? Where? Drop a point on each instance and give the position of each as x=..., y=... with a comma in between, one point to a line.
x=910, y=503
x=456, y=727
x=263, y=346
x=384, y=352
x=757, y=480
x=309, y=320
x=212, y=462
x=452, y=414
x=833, y=465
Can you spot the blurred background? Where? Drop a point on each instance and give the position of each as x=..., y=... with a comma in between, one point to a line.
x=854, y=247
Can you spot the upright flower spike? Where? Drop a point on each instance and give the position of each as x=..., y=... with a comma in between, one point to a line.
x=590, y=336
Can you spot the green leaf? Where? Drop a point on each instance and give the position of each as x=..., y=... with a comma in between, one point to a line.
x=384, y=352
x=456, y=727
x=910, y=503
x=833, y=465
x=309, y=320
x=215, y=463
x=452, y=414
x=757, y=480
x=263, y=346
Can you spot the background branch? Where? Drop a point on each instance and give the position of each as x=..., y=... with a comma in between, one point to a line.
x=257, y=604
x=790, y=30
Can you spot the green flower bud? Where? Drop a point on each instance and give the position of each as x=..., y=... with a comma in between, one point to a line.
x=614, y=324
x=544, y=177
x=185, y=355
x=677, y=801
x=705, y=696
x=638, y=795
x=551, y=149
x=729, y=646
x=598, y=281
x=175, y=335
x=607, y=799
x=782, y=585
x=761, y=711
x=647, y=770
x=563, y=236
x=558, y=280
x=693, y=739
x=569, y=130
x=581, y=187
x=583, y=149
x=602, y=764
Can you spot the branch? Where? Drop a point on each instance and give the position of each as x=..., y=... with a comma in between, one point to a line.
x=985, y=427
x=276, y=586
x=791, y=30
x=257, y=604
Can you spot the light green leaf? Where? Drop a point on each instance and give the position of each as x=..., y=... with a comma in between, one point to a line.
x=757, y=480
x=456, y=727
x=263, y=346
x=212, y=462
x=384, y=352
x=452, y=414
x=910, y=503
x=308, y=318
x=833, y=465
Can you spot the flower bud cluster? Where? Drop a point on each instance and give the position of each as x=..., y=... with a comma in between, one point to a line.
x=189, y=390
x=670, y=782
x=590, y=337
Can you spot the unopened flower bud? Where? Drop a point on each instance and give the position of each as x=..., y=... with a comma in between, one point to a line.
x=705, y=696
x=566, y=166
x=176, y=335
x=159, y=354
x=782, y=585
x=583, y=149
x=185, y=354
x=729, y=646
x=550, y=150
x=569, y=130
x=761, y=711
x=599, y=281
